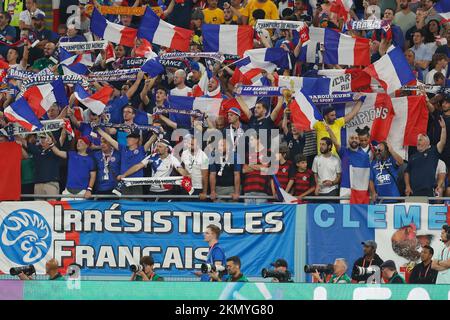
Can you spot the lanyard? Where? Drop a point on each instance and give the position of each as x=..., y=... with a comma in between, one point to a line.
x=209, y=252
x=364, y=262
x=426, y=272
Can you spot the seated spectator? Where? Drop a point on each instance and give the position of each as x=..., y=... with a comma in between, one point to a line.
x=72, y=34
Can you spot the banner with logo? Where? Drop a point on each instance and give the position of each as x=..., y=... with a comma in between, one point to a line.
x=84, y=46
x=114, y=75
x=336, y=231
x=105, y=238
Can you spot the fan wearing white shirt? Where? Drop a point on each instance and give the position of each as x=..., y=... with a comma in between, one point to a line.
x=26, y=15
x=179, y=80
x=196, y=162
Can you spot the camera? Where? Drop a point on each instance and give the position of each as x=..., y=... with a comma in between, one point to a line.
x=206, y=268
x=361, y=271
x=137, y=267
x=321, y=268
x=28, y=270
x=280, y=276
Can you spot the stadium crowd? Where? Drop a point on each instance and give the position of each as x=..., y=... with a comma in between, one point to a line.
x=133, y=136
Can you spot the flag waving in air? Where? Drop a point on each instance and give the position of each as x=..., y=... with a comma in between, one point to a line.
x=228, y=39
x=21, y=112
x=96, y=102
x=304, y=112
x=41, y=98
x=113, y=32
x=162, y=33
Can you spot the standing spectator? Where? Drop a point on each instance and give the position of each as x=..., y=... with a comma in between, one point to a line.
x=14, y=8
x=422, y=53
x=47, y=60
x=445, y=49
x=26, y=15
x=255, y=172
x=40, y=32
x=364, y=140
x=196, y=163
x=7, y=32
x=336, y=124
x=440, y=62
x=405, y=18
x=213, y=15
x=267, y=7
x=410, y=58
x=327, y=170
x=419, y=24
x=441, y=259
x=236, y=129
x=303, y=182
x=421, y=170
x=390, y=274
x=285, y=169
x=384, y=172
x=80, y=169
x=179, y=80
x=294, y=138
x=369, y=258
x=422, y=272
x=27, y=167
x=238, y=11
x=225, y=174
x=107, y=163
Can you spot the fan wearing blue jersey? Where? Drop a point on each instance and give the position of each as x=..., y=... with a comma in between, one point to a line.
x=383, y=172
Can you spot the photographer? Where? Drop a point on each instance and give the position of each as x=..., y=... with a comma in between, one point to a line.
x=281, y=268
x=370, y=258
x=51, y=269
x=146, y=273
x=216, y=255
x=233, y=270
x=339, y=275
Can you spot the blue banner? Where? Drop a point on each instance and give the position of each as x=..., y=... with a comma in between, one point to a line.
x=105, y=238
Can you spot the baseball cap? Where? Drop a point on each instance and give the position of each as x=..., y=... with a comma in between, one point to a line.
x=134, y=134
x=388, y=264
x=39, y=16
x=235, y=110
x=370, y=243
x=279, y=263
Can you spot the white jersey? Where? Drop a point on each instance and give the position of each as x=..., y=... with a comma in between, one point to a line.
x=161, y=168
x=194, y=164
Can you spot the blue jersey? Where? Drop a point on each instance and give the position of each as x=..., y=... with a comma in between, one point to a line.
x=215, y=253
x=108, y=168
x=384, y=174
x=129, y=158
x=78, y=170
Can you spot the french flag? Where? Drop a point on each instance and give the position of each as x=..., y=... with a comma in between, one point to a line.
x=304, y=112
x=282, y=195
x=392, y=70
x=443, y=9
x=153, y=67
x=355, y=177
x=201, y=88
x=41, y=98
x=21, y=112
x=162, y=33
x=75, y=62
x=341, y=8
x=96, y=102
x=228, y=39
x=113, y=32
x=306, y=84
x=246, y=72
x=339, y=48
x=209, y=106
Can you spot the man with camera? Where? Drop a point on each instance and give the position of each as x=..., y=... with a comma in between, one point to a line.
x=51, y=269
x=339, y=273
x=233, y=271
x=216, y=255
x=280, y=273
x=144, y=271
x=369, y=259
x=390, y=274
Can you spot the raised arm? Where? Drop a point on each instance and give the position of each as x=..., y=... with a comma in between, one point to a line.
x=349, y=116
x=147, y=86
x=135, y=85
x=441, y=144
x=169, y=8
x=108, y=138
x=150, y=141
x=398, y=158
x=276, y=110
x=59, y=153
x=333, y=137
x=244, y=107
x=169, y=122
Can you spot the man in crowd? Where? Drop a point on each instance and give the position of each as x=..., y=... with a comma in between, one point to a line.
x=107, y=163
x=196, y=163
x=327, y=170
x=390, y=274
x=422, y=272
x=370, y=258
x=25, y=19
x=441, y=259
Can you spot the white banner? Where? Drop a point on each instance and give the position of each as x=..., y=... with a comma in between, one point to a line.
x=84, y=46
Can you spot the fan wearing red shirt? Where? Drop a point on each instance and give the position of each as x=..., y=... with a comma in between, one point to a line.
x=303, y=183
x=286, y=170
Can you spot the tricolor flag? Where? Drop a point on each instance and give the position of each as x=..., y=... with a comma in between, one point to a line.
x=201, y=88
x=305, y=84
x=144, y=49
x=113, y=32
x=355, y=177
x=4, y=66
x=41, y=98
x=96, y=102
x=162, y=33
x=392, y=70
x=153, y=67
x=338, y=48
x=228, y=39
x=304, y=112
x=69, y=128
x=282, y=195
x=443, y=9
x=21, y=112
x=341, y=8
x=68, y=59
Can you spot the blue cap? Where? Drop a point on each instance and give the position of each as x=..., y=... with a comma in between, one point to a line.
x=195, y=66
x=39, y=16
x=235, y=110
